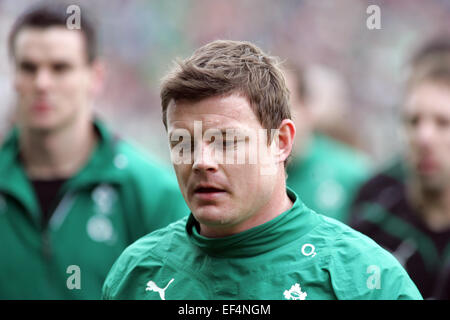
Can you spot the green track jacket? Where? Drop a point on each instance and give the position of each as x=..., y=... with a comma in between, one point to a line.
x=299, y=255
x=118, y=197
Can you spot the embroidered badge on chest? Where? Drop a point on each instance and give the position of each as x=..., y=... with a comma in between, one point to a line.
x=295, y=293
x=104, y=197
x=100, y=229
x=99, y=226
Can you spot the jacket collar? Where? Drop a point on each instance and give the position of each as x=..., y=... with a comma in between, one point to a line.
x=287, y=227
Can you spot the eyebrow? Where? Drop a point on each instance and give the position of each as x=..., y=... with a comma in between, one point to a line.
x=24, y=61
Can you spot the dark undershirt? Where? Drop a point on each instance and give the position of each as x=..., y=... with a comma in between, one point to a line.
x=389, y=193
x=47, y=193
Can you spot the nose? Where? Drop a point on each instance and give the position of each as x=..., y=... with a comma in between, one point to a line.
x=204, y=160
x=43, y=79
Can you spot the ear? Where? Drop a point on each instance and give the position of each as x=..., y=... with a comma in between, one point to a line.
x=284, y=140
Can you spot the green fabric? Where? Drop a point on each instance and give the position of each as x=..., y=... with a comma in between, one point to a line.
x=328, y=176
x=119, y=196
x=298, y=252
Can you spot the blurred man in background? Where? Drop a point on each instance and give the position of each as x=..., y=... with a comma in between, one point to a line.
x=327, y=96
x=325, y=173
x=72, y=195
x=406, y=207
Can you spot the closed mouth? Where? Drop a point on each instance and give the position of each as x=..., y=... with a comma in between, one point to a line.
x=208, y=190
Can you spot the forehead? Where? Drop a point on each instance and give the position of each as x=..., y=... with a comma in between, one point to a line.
x=52, y=43
x=219, y=112
x=429, y=97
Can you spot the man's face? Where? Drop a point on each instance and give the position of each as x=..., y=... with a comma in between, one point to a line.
x=221, y=193
x=427, y=118
x=52, y=78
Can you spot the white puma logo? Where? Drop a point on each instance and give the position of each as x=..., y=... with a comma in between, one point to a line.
x=151, y=286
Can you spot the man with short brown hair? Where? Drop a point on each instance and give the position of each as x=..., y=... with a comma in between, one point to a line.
x=227, y=115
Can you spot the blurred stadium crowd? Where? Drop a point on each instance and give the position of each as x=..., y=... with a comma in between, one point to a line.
x=139, y=39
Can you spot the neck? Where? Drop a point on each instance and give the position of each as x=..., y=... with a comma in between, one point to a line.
x=278, y=203
x=57, y=153
x=432, y=204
